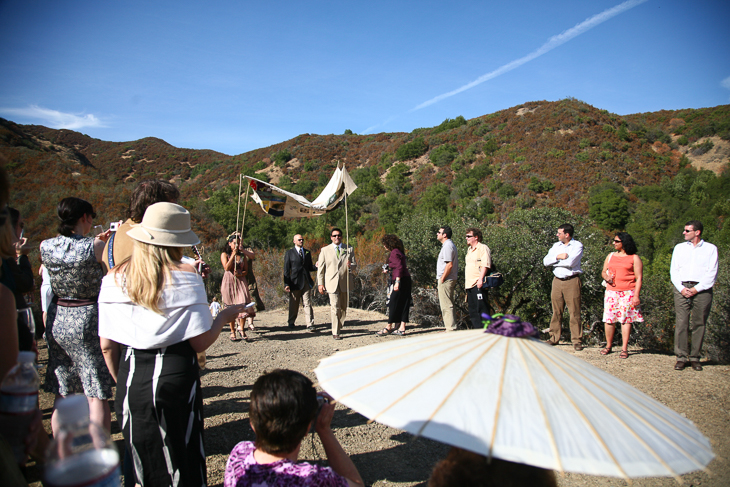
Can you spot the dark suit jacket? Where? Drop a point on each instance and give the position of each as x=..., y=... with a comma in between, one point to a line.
x=296, y=270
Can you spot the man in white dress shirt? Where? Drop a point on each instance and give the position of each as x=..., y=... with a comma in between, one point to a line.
x=693, y=272
x=564, y=257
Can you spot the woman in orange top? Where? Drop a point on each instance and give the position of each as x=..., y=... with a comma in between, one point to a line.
x=623, y=272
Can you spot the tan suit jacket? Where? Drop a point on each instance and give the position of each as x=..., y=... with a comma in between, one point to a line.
x=332, y=272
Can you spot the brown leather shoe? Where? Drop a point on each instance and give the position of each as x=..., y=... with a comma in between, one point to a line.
x=680, y=365
x=577, y=347
x=337, y=337
x=696, y=365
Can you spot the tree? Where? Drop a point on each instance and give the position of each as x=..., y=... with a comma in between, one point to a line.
x=411, y=150
x=443, y=155
x=435, y=200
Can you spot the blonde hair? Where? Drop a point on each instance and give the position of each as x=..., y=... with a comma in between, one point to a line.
x=145, y=274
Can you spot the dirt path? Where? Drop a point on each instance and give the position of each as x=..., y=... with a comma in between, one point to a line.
x=389, y=457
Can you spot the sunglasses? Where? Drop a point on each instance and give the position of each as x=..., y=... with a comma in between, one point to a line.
x=470, y=236
x=617, y=241
x=336, y=236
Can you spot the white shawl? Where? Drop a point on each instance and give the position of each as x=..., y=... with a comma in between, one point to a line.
x=183, y=302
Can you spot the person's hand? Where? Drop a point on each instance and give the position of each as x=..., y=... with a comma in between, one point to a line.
x=396, y=286
x=286, y=289
x=689, y=292
x=635, y=301
x=229, y=313
x=104, y=236
x=22, y=247
x=323, y=421
x=562, y=256
x=321, y=289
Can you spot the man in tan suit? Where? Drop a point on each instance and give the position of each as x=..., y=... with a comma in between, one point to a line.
x=333, y=268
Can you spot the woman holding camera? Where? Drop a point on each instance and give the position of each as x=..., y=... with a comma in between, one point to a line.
x=234, y=287
x=75, y=361
x=284, y=405
x=153, y=318
x=399, y=287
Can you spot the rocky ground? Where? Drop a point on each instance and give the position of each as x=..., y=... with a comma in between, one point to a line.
x=389, y=457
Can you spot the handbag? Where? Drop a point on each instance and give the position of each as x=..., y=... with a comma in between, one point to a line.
x=495, y=279
x=603, y=282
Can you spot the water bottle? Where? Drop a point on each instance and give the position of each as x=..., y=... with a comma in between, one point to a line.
x=18, y=402
x=82, y=453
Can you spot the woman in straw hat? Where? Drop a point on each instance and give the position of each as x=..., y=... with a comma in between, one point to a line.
x=153, y=318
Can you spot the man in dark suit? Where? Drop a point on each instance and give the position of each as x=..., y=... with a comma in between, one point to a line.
x=298, y=282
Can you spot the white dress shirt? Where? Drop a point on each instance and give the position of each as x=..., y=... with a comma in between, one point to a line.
x=566, y=267
x=694, y=263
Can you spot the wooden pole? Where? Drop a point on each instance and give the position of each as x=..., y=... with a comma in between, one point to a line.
x=238, y=212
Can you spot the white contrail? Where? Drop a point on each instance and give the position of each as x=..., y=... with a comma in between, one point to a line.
x=551, y=44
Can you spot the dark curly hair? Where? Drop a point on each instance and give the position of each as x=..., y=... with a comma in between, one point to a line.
x=283, y=404
x=627, y=242
x=393, y=242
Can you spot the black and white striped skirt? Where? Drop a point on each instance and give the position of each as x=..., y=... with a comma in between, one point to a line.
x=159, y=406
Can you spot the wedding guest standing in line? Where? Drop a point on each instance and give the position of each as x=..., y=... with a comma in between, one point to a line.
x=623, y=272
x=564, y=257
x=693, y=273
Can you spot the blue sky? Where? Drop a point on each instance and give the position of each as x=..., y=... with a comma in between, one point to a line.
x=234, y=76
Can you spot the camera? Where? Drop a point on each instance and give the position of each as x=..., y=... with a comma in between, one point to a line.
x=114, y=226
x=386, y=267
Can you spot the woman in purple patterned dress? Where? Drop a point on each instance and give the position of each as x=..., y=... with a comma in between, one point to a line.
x=284, y=404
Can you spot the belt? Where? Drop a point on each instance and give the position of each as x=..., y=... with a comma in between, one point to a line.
x=72, y=303
x=567, y=278
x=690, y=284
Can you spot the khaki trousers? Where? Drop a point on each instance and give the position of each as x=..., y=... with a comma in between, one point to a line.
x=446, y=290
x=296, y=299
x=566, y=293
x=338, y=311
x=698, y=308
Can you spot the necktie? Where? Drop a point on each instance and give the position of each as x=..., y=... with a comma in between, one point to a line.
x=301, y=253
x=338, y=251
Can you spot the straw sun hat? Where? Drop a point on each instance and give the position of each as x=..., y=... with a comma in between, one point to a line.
x=165, y=225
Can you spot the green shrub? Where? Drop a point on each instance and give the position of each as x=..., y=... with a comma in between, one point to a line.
x=703, y=148
x=449, y=124
x=281, y=157
x=584, y=143
x=491, y=145
x=443, y=155
x=607, y=146
x=683, y=140
x=483, y=130
x=411, y=150
x=609, y=129
x=539, y=186
x=506, y=191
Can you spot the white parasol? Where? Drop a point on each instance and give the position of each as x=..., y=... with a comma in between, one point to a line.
x=517, y=399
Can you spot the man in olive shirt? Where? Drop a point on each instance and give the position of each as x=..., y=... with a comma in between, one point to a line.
x=478, y=261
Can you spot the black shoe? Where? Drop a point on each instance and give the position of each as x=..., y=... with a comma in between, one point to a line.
x=695, y=365
x=680, y=365
x=291, y=325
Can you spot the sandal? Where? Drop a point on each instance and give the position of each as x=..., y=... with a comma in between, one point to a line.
x=385, y=332
x=605, y=351
x=233, y=337
x=624, y=354
x=399, y=333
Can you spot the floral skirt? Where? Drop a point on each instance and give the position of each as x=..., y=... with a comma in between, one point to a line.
x=617, y=308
